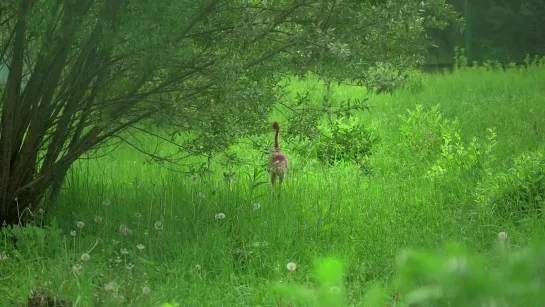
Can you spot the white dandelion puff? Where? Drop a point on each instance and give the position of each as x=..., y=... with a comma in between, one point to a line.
x=140, y=246
x=220, y=216
x=256, y=206
x=158, y=225
x=291, y=266
x=124, y=229
x=107, y=202
x=80, y=224
x=85, y=257
x=76, y=268
x=146, y=290
x=112, y=285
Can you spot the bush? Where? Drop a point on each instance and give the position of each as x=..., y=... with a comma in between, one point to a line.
x=460, y=159
x=431, y=136
x=423, y=130
x=345, y=141
x=518, y=192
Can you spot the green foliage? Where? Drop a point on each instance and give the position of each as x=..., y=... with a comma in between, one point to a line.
x=198, y=257
x=205, y=72
x=430, y=136
x=453, y=277
x=330, y=129
x=460, y=58
x=458, y=278
x=330, y=291
x=423, y=130
x=458, y=158
x=414, y=81
x=347, y=140
x=386, y=78
x=518, y=192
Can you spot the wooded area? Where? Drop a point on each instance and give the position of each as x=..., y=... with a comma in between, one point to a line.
x=503, y=30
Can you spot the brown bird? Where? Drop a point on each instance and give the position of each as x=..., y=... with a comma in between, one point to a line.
x=278, y=161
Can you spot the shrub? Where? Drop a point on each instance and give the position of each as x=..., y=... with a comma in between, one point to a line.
x=346, y=141
x=423, y=130
x=460, y=159
x=431, y=136
x=518, y=192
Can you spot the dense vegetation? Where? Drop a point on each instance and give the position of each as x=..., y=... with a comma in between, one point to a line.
x=206, y=240
x=81, y=72
x=134, y=139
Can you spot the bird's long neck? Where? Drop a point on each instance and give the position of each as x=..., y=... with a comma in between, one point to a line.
x=276, y=146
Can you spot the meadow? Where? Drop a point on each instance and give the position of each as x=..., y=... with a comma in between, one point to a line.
x=430, y=225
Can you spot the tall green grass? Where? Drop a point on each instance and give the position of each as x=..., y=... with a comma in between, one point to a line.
x=194, y=257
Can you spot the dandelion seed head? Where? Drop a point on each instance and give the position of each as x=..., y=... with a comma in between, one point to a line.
x=256, y=206
x=73, y=233
x=258, y=244
x=138, y=214
x=124, y=251
x=80, y=224
x=201, y=195
x=220, y=216
x=457, y=264
x=502, y=236
x=146, y=290
x=3, y=256
x=76, y=268
x=129, y=266
x=107, y=202
x=112, y=285
x=291, y=266
x=41, y=211
x=124, y=229
x=198, y=267
x=85, y=257
x=98, y=219
x=158, y=225
x=140, y=246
